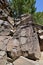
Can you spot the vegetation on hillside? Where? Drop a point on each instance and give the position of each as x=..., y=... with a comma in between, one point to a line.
x=38, y=17
x=26, y=6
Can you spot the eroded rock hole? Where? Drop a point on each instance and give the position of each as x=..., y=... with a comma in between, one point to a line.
x=9, y=54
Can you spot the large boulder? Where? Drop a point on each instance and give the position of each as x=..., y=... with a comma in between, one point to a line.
x=28, y=41
x=24, y=43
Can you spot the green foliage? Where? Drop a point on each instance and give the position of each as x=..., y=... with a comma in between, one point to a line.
x=16, y=6
x=23, y=6
x=38, y=17
x=32, y=6
x=26, y=6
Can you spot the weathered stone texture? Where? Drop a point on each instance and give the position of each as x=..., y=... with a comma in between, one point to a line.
x=3, y=58
x=23, y=61
x=24, y=43
x=3, y=42
x=28, y=41
x=24, y=40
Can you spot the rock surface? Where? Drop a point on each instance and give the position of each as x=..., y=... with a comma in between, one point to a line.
x=23, y=61
x=3, y=42
x=18, y=40
x=3, y=58
x=28, y=41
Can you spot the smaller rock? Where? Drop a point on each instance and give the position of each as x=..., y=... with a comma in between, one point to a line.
x=23, y=61
x=3, y=42
x=9, y=59
x=3, y=61
x=9, y=64
x=6, y=23
x=1, y=22
x=2, y=53
x=3, y=58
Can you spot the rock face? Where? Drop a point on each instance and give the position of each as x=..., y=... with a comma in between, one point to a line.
x=23, y=61
x=27, y=37
x=5, y=14
x=3, y=58
x=4, y=28
x=18, y=40
x=25, y=42
x=3, y=42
